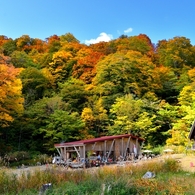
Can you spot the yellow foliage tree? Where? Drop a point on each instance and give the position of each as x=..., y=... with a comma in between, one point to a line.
x=11, y=101
x=60, y=65
x=88, y=118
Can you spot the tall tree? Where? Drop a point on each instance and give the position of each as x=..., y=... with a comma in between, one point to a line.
x=34, y=85
x=105, y=48
x=53, y=43
x=38, y=45
x=185, y=116
x=68, y=38
x=129, y=116
x=141, y=43
x=9, y=47
x=25, y=131
x=62, y=126
x=95, y=116
x=85, y=68
x=119, y=74
x=23, y=43
x=3, y=39
x=177, y=53
x=22, y=60
x=61, y=66
x=11, y=101
x=73, y=92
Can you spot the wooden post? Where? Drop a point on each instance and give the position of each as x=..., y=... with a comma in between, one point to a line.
x=122, y=149
x=65, y=155
x=104, y=149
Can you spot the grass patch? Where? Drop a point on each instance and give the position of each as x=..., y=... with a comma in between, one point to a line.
x=107, y=180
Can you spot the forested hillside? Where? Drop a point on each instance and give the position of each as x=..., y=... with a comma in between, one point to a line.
x=58, y=89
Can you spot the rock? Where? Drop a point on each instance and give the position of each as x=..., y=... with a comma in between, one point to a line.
x=149, y=175
x=44, y=188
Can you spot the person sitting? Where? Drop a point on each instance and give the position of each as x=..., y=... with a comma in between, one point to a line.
x=99, y=157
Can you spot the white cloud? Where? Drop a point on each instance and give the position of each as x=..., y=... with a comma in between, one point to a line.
x=102, y=37
x=128, y=30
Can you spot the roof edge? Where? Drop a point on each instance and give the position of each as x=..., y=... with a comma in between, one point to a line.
x=99, y=139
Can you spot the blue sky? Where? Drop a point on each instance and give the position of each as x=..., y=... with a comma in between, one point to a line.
x=91, y=21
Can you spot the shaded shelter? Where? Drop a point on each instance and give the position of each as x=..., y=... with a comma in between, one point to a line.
x=106, y=146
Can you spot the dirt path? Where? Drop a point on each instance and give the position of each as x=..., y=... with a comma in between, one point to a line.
x=25, y=170
x=186, y=161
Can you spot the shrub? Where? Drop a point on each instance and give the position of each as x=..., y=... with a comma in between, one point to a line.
x=17, y=156
x=170, y=165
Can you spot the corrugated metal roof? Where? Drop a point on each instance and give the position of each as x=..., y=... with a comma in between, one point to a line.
x=100, y=139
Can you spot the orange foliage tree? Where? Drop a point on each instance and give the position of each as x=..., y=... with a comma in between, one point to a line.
x=3, y=39
x=141, y=43
x=53, y=43
x=85, y=68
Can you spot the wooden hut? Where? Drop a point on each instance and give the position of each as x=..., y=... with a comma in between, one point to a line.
x=107, y=146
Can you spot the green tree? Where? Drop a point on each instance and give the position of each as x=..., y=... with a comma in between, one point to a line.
x=9, y=47
x=25, y=132
x=62, y=126
x=21, y=60
x=166, y=84
x=185, y=117
x=119, y=74
x=140, y=43
x=34, y=84
x=129, y=116
x=166, y=114
x=177, y=53
x=73, y=92
x=68, y=38
x=181, y=127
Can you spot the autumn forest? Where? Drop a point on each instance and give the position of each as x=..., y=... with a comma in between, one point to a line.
x=59, y=90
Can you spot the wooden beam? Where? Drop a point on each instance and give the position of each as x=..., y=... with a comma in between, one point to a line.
x=93, y=147
x=128, y=141
x=77, y=152
x=110, y=148
x=59, y=152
